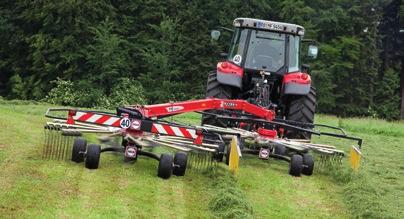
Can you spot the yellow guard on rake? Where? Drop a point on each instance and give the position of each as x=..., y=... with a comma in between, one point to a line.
x=355, y=158
x=234, y=155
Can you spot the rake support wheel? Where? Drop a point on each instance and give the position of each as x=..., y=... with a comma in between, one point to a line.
x=296, y=165
x=93, y=156
x=79, y=148
x=308, y=164
x=165, y=168
x=280, y=150
x=180, y=163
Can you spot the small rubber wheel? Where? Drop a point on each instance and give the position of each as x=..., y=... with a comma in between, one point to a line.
x=280, y=150
x=296, y=165
x=79, y=148
x=227, y=155
x=165, y=166
x=218, y=155
x=124, y=142
x=180, y=163
x=93, y=156
x=308, y=164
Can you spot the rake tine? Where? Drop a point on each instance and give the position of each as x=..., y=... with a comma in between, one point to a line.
x=57, y=148
x=54, y=143
x=63, y=147
x=45, y=147
x=68, y=144
x=66, y=148
x=51, y=142
x=198, y=161
x=58, y=145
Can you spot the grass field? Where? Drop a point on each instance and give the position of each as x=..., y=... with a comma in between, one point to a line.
x=32, y=187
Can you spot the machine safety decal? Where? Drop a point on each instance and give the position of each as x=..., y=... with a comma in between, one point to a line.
x=174, y=131
x=97, y=119
x=136, y=124
x=237, y=59
x=125, y=123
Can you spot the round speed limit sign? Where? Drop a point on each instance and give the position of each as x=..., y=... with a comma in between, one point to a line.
x=125, y=123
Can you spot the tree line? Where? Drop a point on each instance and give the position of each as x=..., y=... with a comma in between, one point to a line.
x=90, y=53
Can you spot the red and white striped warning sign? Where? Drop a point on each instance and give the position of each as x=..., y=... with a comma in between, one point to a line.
x=174, y=131
x=97, y=119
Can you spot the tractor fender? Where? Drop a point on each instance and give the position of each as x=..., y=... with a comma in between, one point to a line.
x=229, y=74
x=296, y=83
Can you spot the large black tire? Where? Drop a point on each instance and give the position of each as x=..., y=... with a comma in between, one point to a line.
x=180, y=163
x=301, y=109
x=308, y=164
x=217, y=90
x=296, y=165
x=79, y=148
x=165, y=168
x=93, y=156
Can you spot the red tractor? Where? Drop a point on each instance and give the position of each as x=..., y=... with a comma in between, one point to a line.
x=263, y=67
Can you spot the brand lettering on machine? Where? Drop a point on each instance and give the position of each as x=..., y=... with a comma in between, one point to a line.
x=229, y=104
x=174, y=108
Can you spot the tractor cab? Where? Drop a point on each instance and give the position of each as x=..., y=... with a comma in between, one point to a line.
x=263, y=66
x=259, y=45
x=263, y=51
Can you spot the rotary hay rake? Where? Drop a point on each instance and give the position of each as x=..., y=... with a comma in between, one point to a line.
x=141, y=128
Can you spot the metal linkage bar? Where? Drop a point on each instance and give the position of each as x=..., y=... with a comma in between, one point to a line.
x=288, y=126
x=169, y=109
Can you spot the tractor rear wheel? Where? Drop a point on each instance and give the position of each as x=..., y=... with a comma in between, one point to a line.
x=217, y=90
x=301, y=109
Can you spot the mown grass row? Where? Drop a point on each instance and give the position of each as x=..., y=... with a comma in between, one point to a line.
x=229, y=200
x=377, y=190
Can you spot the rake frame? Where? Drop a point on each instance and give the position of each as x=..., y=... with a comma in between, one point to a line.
x=142, y=126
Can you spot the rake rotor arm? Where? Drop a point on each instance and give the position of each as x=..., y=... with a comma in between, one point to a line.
x=169, y=109
x=294, y=127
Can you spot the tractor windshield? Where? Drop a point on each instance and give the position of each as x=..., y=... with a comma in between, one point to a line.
x=238, y=45
x=266, y=51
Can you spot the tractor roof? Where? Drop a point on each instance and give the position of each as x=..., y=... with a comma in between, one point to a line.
x=269, y=25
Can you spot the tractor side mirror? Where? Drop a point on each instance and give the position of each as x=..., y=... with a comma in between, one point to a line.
x=215, y=35
x=313, y=51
